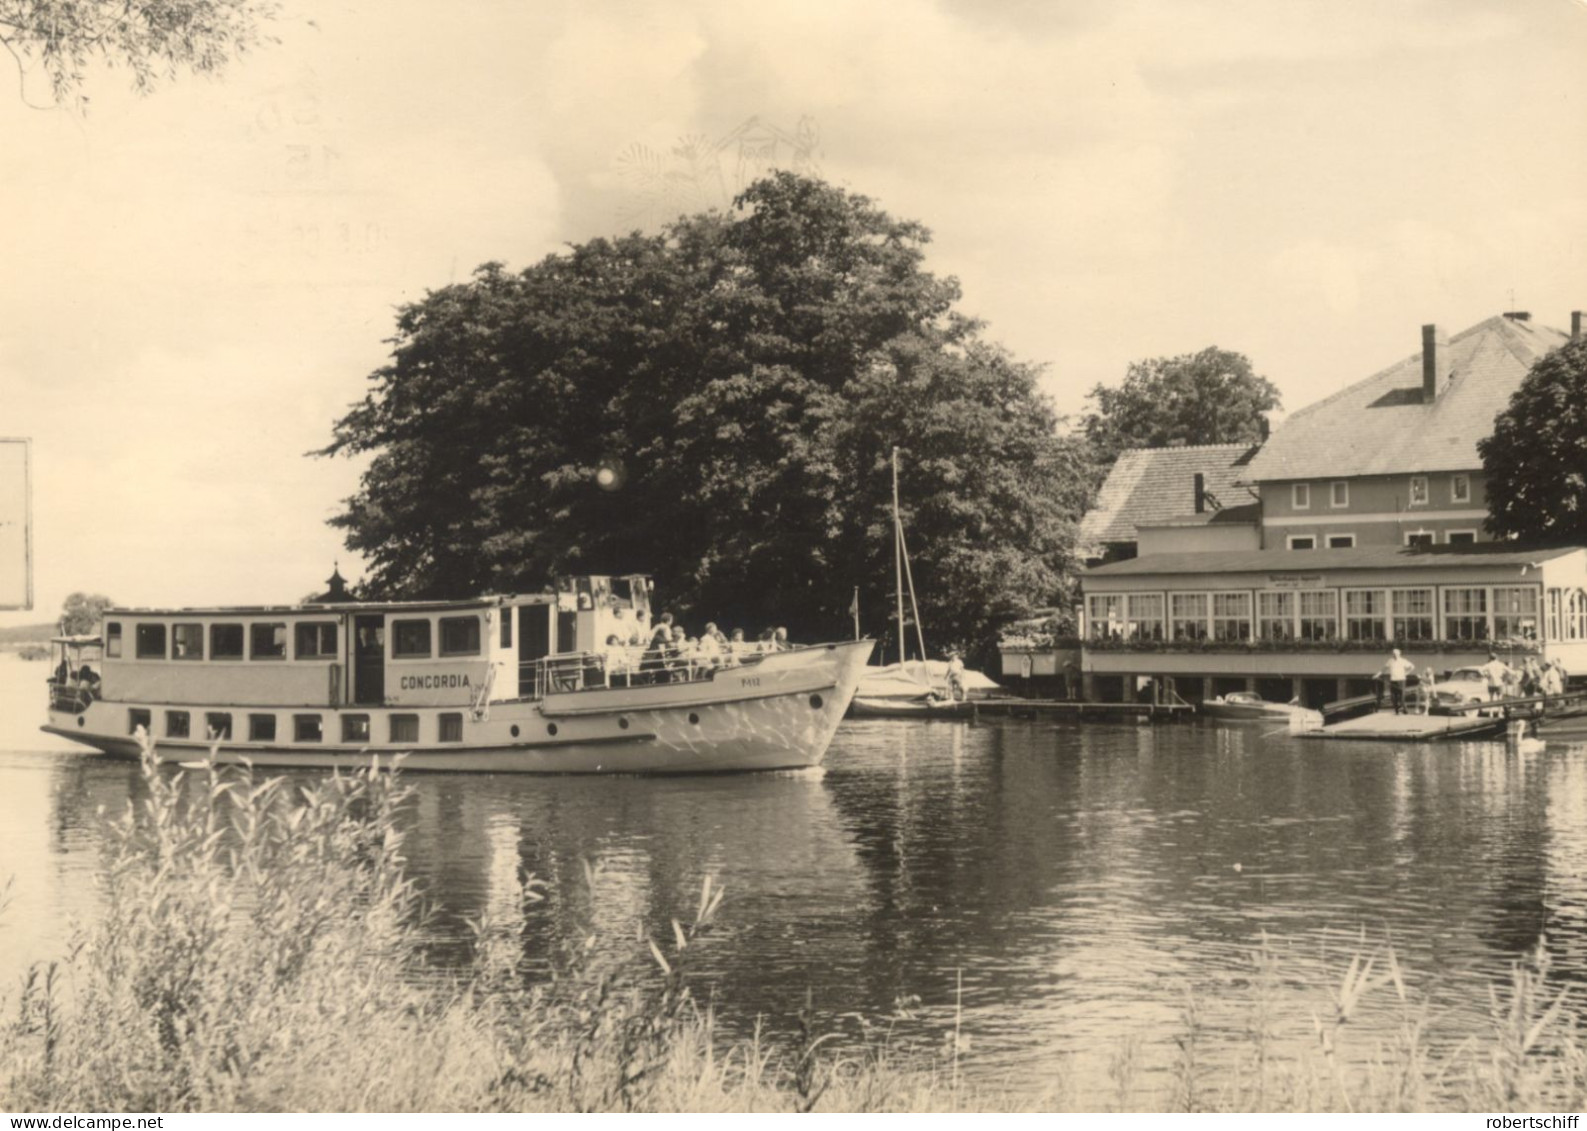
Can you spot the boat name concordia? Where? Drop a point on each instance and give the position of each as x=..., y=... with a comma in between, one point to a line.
x=556, y=682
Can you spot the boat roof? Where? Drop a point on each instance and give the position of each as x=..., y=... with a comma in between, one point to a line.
x=318, y=608
x=79, y=640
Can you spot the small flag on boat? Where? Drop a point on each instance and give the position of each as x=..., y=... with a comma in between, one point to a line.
x=854, y=611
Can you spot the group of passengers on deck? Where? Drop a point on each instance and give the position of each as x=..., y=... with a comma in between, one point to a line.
x=670, y=653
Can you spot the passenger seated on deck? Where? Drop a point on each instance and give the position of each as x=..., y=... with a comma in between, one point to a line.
x=88, y=682
x=779, y=640
x=735, y=648
x=614, y=657
x=708, y=652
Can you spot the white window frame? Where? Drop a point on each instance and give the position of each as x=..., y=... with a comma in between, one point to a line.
x=1329, y=537
x=1426, y=498
x=1432, y=536
x=1300, y=496
x=1455, y=494
x=1334, y=490
x=1449, y=537
x=1291, y=539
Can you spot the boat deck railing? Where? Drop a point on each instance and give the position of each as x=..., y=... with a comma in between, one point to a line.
x=72, y=695
x=629, y=667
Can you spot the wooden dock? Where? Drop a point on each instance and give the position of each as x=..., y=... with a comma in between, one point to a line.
x=1386, y=726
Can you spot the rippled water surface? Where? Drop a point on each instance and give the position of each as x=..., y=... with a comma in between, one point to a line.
x=1061, y=894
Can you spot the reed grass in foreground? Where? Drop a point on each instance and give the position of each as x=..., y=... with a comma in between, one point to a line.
x=261, y=948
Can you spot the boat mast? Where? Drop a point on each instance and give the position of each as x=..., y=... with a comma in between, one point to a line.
x=901, y=563
x=898, y=558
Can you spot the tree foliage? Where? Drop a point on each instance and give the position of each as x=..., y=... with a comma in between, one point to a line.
x=1536, y=458
x=1211, y=397
x=80, y=613
x=748, y=374
x=151, y=39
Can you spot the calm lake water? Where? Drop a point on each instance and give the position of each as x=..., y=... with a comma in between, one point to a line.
x=1059, y=892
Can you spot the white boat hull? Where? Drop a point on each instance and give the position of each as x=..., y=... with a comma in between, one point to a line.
x=777, y=714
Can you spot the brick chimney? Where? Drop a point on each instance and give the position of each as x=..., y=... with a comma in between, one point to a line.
x=1435, y=362
x=1201, y=493
x=1575, y=325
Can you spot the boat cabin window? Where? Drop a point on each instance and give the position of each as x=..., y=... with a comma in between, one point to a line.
x=261, y=728
x=217, y=724
x=405, y=728
x=459, y=636
x=307, y=728
x=176, y=724
x=451, y=728
x=225, y=641
x=267, y=641
x=187, y=642
x=139, y=717
x=113, y=640
x=410, y=638
x=355, y=728
x=151, y=642
x=316, y=640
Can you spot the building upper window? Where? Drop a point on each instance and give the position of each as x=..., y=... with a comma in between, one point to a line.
x=411, y=637
x=1419, y=538
x=1418, y=490
x=1465, y=614
x=1413, y=614
x=1515, y=612
x=459, y=636
x=1366, y=612
x=151, y=641
x=267, y=641
x=1301, y=542
x=1319, y=615
x=225, y=641
x=1145, y=616
x=1106, y=619
x=1189, y=616
x=1339, y=493
x=1461, y=537
x=1231, y=616
x=1275, y=615
x=316, y=640
x=1341, y=541
x=1460, y=489
x=1300, y=495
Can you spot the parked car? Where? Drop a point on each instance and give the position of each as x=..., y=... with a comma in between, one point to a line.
x=1471, y=684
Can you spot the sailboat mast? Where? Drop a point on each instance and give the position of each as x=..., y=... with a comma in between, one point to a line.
x=898, y=558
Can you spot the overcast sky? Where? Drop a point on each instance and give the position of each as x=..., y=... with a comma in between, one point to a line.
x=197, y=283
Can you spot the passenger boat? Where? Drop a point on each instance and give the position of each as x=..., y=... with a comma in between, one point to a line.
x=1248, y=706
x=518, y=683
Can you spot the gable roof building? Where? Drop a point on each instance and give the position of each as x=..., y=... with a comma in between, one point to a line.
x=1420, y=415
x=1158, y=487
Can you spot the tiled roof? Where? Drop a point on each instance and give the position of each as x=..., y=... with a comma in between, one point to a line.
x=1381, y=427
x=1155, y=486
x=1313, y=561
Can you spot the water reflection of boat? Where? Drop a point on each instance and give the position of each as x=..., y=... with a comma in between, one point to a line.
x=1248, y=706
x=515, y=683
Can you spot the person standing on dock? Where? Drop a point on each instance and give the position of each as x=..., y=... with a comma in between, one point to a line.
x=1398, y=669
x=1496, y=672
x=956, y=677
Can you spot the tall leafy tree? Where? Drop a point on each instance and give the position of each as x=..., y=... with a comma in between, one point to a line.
x=747, y=376
x=80, y=613
x=1536, y=458
x=149, y=39
x=1211, y=397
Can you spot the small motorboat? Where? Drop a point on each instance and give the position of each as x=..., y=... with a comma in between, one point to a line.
x=921, y=707
x=1248, y=706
